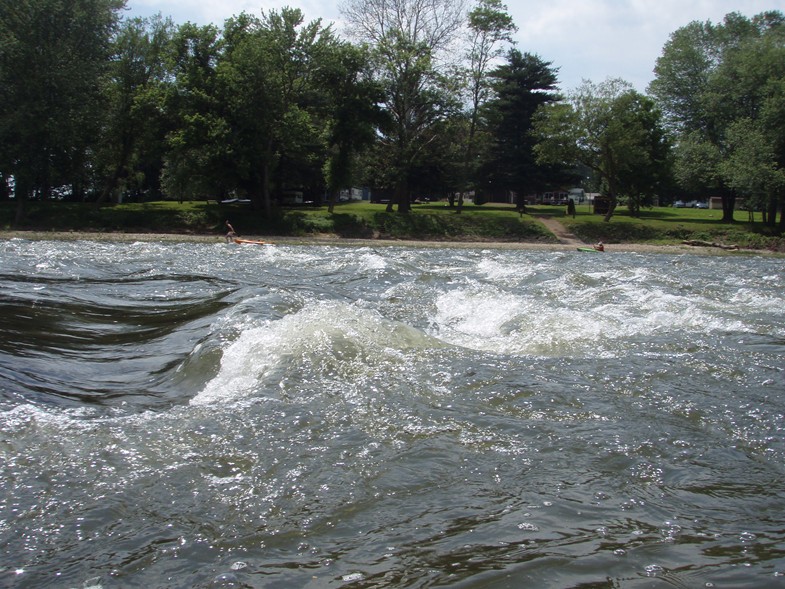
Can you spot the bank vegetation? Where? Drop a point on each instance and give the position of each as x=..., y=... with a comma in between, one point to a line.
x=413, y=102
x=434, y=221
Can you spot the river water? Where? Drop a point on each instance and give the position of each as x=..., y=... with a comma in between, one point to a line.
x=212, y=415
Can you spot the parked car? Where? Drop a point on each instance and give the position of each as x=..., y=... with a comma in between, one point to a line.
x=679, y=204
x=701, y=205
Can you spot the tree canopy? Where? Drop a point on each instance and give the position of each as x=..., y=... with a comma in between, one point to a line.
x=611, y=129
x=52, y=56
x=720, y=85
x=426, y=98
x=522, y=85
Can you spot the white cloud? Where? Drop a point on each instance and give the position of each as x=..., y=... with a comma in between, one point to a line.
x=599, y=39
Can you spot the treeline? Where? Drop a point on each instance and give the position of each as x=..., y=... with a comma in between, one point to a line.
x=419, y=99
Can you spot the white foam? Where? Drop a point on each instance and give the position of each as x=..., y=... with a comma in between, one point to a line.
x=327, y=338
x=553, y=317
x=372, y=261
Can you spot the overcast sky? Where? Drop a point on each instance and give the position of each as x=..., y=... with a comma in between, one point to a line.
x=584, y=39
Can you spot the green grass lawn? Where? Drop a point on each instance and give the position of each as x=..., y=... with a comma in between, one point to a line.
x=431, y=221
x=667, y=225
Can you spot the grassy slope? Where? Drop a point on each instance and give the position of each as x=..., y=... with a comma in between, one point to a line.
x=666, y=225
x=434, y=221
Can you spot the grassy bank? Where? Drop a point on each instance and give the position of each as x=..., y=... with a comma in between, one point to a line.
x=434, y=221
x=667, y=225
x=354, y=220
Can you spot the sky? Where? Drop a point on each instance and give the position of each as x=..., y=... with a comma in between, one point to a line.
x=585, y=39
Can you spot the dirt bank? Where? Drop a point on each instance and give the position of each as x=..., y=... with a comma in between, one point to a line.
x=564, y=245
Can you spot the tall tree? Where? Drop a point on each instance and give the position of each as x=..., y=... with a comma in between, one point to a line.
x=268, y=72
x=490, y=27
x=410, y=39
x=753, y=169
x=198, y=158
x=609, y=128
x=52, y=57
x=711, y=76
x=350, y=112
x=645, y=163
x=522, y=86
x=753, y=80
x=133, y=94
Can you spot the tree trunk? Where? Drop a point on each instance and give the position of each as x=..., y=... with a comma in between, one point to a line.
x=520, y=201
x=771, y=219
x=782, y=213
x=467, y=158
x=612, y=200
x=728, y=206
x=333, y=198
x=112, y=184
x=610, y=178
x=20, y=191
x=266, y=203
x=402, y=196
x=262, y=190
x=5, y=189
x=611, y=208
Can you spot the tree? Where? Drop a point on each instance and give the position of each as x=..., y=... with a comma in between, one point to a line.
x=268, y=72
x=52, y=57
x=350, y=112
x=132, y=125
x=198, y=158
x=711, y=76
x=753, y=79
x=522, y=85
x=489, y=26
x=644, y=148
x=409, y=39
x=752, y=169
x=611, y=129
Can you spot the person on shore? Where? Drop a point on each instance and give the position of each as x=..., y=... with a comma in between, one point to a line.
x=230, y=232
x=571, y=208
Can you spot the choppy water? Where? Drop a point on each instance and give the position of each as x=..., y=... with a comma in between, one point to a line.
x=182, y=415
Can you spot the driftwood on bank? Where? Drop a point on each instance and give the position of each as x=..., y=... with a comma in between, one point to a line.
x=698, y=242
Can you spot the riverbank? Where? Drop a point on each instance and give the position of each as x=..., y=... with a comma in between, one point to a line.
x=332, y=240
x=541, y=227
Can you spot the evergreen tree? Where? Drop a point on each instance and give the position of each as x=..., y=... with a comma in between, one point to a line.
x=522, y=86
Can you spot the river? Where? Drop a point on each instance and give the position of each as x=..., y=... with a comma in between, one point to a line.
x=179, y=415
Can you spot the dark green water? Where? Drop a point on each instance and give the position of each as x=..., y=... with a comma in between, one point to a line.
x=181, y=415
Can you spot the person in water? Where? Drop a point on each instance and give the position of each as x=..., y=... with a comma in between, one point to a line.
x=599, y=247
x=230, y=232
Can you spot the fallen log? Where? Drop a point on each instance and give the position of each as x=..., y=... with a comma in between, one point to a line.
x=700, y=243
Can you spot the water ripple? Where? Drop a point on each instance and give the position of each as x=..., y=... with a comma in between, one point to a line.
x=180, y=415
